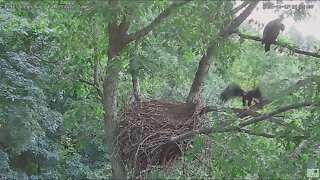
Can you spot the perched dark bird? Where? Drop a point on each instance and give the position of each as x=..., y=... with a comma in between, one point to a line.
x=271, y=32
x=234, y=90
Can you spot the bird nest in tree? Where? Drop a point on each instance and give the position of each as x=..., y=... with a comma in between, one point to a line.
x=145, y=132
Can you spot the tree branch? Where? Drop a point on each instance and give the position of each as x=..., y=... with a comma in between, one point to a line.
x=237, y=9
x=239, y=20
x=164, y=14
x=251, y=112
x=95, y=72
x=280, y=110
x=266, y=135
x=289, y=47
x=41, y=59
x=243, y=124
x=134, y=74
x=96, y=58
x=207, y=109
x=94, y=85
x=204, y=64
x=242, y=113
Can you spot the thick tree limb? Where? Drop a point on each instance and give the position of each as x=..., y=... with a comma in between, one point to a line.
x=164, y=14
x=242, y=124
x=289, y=47
x=242, y=113
x=201, y=73
x=204, y=64
x=238, y=8
x=239, y=20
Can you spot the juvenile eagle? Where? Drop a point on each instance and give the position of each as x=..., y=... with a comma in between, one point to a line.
x=271, y=32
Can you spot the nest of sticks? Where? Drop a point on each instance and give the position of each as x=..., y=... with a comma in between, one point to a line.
x=145, y=131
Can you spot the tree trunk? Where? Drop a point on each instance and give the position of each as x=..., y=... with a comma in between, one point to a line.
x=204, y=65
x=110, y=124
x=117, y=41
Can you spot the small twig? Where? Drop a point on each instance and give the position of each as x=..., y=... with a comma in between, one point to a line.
x=266, y=135
x=94, y=85
x=41, y=59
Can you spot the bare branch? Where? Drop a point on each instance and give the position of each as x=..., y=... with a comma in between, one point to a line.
x=41, y=59
x=289, y=47
x=87, y=82
x=164, y=14
x=266, y=135
x=92, y=84
x=237, y=9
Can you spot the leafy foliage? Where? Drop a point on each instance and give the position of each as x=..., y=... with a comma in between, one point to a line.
x=39, y=117
x=51, y=118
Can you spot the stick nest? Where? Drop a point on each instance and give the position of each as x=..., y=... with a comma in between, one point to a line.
x=145, y=131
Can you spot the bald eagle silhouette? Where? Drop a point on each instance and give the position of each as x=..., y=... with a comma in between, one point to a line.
x=271, y=32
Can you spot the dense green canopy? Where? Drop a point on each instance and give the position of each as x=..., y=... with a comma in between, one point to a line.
x=62, y=63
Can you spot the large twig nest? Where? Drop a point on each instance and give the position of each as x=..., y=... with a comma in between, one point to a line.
x=145, y=131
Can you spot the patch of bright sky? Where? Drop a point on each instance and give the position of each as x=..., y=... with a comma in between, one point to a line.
x=308, y=26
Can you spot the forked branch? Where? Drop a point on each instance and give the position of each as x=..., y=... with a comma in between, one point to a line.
x=164, y=14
